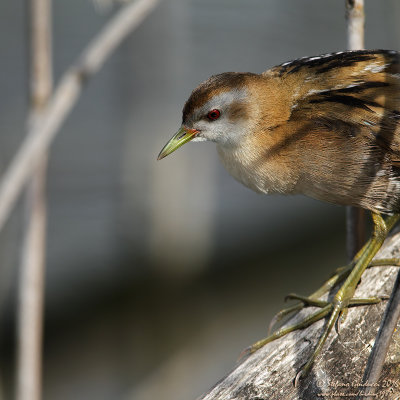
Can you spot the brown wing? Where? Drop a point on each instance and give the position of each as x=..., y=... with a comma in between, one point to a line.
x=361, y=88
x=350, y=104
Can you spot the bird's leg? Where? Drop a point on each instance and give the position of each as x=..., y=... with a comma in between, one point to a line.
x=344, y=295
x=339, y=275
x=343, y=299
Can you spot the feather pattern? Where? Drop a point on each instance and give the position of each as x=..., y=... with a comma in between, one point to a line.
x=349, y=103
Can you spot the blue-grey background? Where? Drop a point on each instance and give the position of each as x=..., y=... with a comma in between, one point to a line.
x=160, y=273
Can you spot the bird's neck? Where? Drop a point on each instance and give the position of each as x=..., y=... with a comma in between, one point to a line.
x=262, y=159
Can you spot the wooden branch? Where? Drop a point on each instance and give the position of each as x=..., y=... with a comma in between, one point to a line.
x=338, y=371
x=43, y=130
x=31, y=279
x=355, y=24
x=31, y=291
x=378, y=354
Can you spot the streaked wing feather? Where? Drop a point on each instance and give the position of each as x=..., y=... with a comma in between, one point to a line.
x=351, y=99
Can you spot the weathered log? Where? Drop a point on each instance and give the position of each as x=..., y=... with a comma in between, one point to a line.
x=337, y=373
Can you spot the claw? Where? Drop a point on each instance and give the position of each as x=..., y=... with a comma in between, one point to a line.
x=340, y=320
x=289, y=296
x=338, y=326
x=245, y=353
x=282, y=314
x=297, y=378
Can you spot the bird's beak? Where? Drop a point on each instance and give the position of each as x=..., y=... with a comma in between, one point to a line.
x=180, y=138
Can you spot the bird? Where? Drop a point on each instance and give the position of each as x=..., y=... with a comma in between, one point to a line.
x=327, y=127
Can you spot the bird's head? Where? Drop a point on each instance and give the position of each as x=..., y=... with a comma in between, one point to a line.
x=218, y=110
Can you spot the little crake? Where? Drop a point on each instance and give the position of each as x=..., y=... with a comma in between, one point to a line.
x=327, y=127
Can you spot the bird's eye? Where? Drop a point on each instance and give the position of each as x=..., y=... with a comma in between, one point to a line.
x=213, y=115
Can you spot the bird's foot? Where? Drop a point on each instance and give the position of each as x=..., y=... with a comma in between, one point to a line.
x=339, y=275
x=326, y=308
x=336, y=310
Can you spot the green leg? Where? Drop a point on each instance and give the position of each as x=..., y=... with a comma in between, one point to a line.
x=345, y=293
x=340, y=275
x=343, y=299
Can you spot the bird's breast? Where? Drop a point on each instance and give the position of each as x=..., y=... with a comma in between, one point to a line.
x=248, y=165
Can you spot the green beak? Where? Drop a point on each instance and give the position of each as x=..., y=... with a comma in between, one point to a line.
x=181, y=137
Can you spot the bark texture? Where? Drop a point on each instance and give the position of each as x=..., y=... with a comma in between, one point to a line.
x=338, y=371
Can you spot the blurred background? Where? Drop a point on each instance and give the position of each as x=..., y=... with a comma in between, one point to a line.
x=160, y=273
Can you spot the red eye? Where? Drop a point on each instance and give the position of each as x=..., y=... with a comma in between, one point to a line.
x=213, y=115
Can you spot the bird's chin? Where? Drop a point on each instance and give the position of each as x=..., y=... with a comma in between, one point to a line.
x=198, y=138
